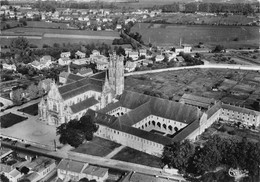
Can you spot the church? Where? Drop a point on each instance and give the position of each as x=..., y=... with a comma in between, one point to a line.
x=72, y=100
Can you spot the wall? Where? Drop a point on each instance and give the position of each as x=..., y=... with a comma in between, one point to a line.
x=130, y=140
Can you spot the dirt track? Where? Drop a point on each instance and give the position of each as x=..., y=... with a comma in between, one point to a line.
x=48, y=35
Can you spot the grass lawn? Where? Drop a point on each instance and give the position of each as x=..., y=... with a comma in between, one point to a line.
x=134, y=156
x=10, y=119
x=32, y=109
x=98, y=147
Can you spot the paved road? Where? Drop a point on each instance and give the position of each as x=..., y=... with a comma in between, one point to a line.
x=110, y=163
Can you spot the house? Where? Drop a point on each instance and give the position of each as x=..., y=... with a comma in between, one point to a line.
x=146, y=62
x=67, y=77
x=180, y=59
x=64, y=61
x=99, y=174
x=130, y=66
x=142, y=52
x=133, y=54
x=85, y=72
x=65, y=55
x=70, y=170
x=45, y=62
x=80, y=54
x=95, y=53
x=159, y=58
x=10, y=172
x=118, y=27
x=186, y=48
x=94, y=58
x=9, y=66
x=39, y=168
x=101, y=64
x=82, y=61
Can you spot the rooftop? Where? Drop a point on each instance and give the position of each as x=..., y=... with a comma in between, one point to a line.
x=83, y=105
x=71, y=165
x=95, y=171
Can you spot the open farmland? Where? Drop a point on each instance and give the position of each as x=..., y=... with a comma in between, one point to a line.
x=169, y=34
x=51, y=36
x=233, y=86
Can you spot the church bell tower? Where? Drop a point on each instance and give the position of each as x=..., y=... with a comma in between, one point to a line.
x=116, y=73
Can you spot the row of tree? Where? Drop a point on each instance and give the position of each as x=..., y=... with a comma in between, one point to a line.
x=218, y=153
x=33, y=91
x=237, y=8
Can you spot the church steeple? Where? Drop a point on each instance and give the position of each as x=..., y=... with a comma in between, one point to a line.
x=116, y=73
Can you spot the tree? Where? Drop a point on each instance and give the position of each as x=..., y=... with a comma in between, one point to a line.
x=25, y=170
x=75, y=132
x=177, y=155
x=4, y=178
x=32, y=91
x=219, y=48
x=19, y=46
x=17, y=95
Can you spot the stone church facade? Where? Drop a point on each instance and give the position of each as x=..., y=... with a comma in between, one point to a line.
x=72, y=100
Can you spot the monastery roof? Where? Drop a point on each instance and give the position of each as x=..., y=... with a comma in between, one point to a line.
x=118, y=124
x=240, y=109
x=186, y=131
x=70, y=165
x=31, y=176
x=213, y=110
x=95, y=171
x=144, y=105
x=40, y=163
x=110, y=107
x=83, y=105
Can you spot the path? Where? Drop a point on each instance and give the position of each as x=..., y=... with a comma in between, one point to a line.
x=114, y=152
x=209, y=66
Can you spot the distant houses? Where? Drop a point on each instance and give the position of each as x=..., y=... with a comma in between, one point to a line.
x=44, y=62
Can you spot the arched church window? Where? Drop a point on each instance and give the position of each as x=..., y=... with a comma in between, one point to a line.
x=176, y=129
x=153, y=122
x=55, y=107
x=159, y=125
x=170, y=128
x=164, y=126
x=145, y=124
x=122, y=113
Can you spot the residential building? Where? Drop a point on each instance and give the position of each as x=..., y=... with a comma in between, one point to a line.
x=64, y=61
x=45, y=62
x=65, y=55
x=85, y=72
x=82, y=61
x=10, y=172
x=133, y=54
x=80, y=55
x=75, y=170
x=101, y=65
x=9, y=66
x=130, y=66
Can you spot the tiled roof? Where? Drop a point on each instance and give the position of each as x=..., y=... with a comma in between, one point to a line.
x=118, y=124
x=70, y=165
x=240, y=109
x=213, y=110
x=186, y=131
x=83, y=105
x=197, y=100
x=64, y=74
x=143, y=105
x=81, y=86
x=110, y=107
x=95, y=171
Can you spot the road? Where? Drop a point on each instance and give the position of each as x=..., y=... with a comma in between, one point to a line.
x=110, y=163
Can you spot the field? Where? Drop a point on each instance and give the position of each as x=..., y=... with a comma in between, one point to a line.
x=10, y=119
x=134, y=156
x=32, y=109
x=172, y=85
x=98, y=147
x=169, y=35
x=50, y=36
